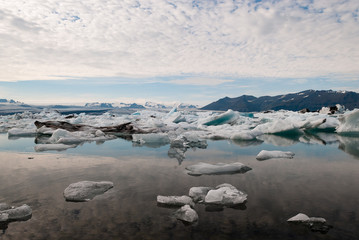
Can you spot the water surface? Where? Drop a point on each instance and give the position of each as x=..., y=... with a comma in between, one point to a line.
x=321, y=181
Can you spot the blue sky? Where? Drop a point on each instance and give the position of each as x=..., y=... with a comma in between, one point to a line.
x=175, y=50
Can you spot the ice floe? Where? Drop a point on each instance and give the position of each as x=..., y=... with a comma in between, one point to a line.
x=11, y=214
x=216, y=169
x=198, y=194
x=86, y=190
x=187, y=214
x=226, y=195
x=315, y=224
x=52, y=147
x=175, y=200
x=264, y=155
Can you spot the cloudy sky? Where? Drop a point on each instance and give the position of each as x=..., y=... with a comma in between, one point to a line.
x=68, y=51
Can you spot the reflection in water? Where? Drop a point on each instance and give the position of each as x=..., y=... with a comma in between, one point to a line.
x=276, y=191
x=349, y=145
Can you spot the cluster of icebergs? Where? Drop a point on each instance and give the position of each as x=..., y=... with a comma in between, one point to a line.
x=186, y=129
x=224, y=195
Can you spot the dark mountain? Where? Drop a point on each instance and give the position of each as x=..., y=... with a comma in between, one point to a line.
x=311, y=99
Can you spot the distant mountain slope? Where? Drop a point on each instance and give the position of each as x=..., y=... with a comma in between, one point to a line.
x=311, y=99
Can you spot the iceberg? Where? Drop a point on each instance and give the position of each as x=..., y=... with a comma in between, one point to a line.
x=22, y=132
x=315, y=224
x=21, y=213
x=199, y=193
x=52, y=147
x=187, y=214
x=227, y=117
x=264, y=155
x=226, y=195
x=174, y=201
x=86, y=190
x=349, y=123
x=151, y=139
x=216, y=169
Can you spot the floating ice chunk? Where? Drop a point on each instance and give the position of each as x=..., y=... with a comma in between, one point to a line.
x=199, y=193
x=264, y=155
x=151, y=139
x=187, y=214
x=217, y=169
x=86, y=190
x=300, y=217
x=315, y=224
x=225, y=194
x=175, y=200
x=175, y=117
x=45, y=130
x=227, y=117
x=189, y=140
x=22, y=132
x=246, y=135
x=349, y=122
x=276, y=126
x=23, y=212
x=52, y=147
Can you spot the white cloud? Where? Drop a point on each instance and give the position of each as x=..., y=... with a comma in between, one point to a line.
x=102, y=38
x=200, y=81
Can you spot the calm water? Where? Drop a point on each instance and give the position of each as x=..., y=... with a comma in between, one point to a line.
x=321, y=181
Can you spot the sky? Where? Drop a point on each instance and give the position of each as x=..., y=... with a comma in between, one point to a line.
x=77, y=51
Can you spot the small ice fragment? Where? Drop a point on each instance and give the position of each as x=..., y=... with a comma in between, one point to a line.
x=175, y=200
x=225, y=194
x=199, y=193
x=217, y=169
x=49, y=147
x=187, y=214
x=264, y=155
x=300, y=217
x=23, y=212
x=86, y=190
x=315, y=224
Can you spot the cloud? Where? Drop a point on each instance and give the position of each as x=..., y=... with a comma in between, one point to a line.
x=107, y=38
x=200, y=81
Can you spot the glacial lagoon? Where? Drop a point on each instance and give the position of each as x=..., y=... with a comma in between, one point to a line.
x=321, y=180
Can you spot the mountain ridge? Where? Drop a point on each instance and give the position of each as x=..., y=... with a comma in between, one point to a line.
x=313, y=100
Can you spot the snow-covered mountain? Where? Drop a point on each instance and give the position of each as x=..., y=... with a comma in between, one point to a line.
x=11, y=101
x=310, y=99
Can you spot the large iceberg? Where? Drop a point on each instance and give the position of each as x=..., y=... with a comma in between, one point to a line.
x=217, y=169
